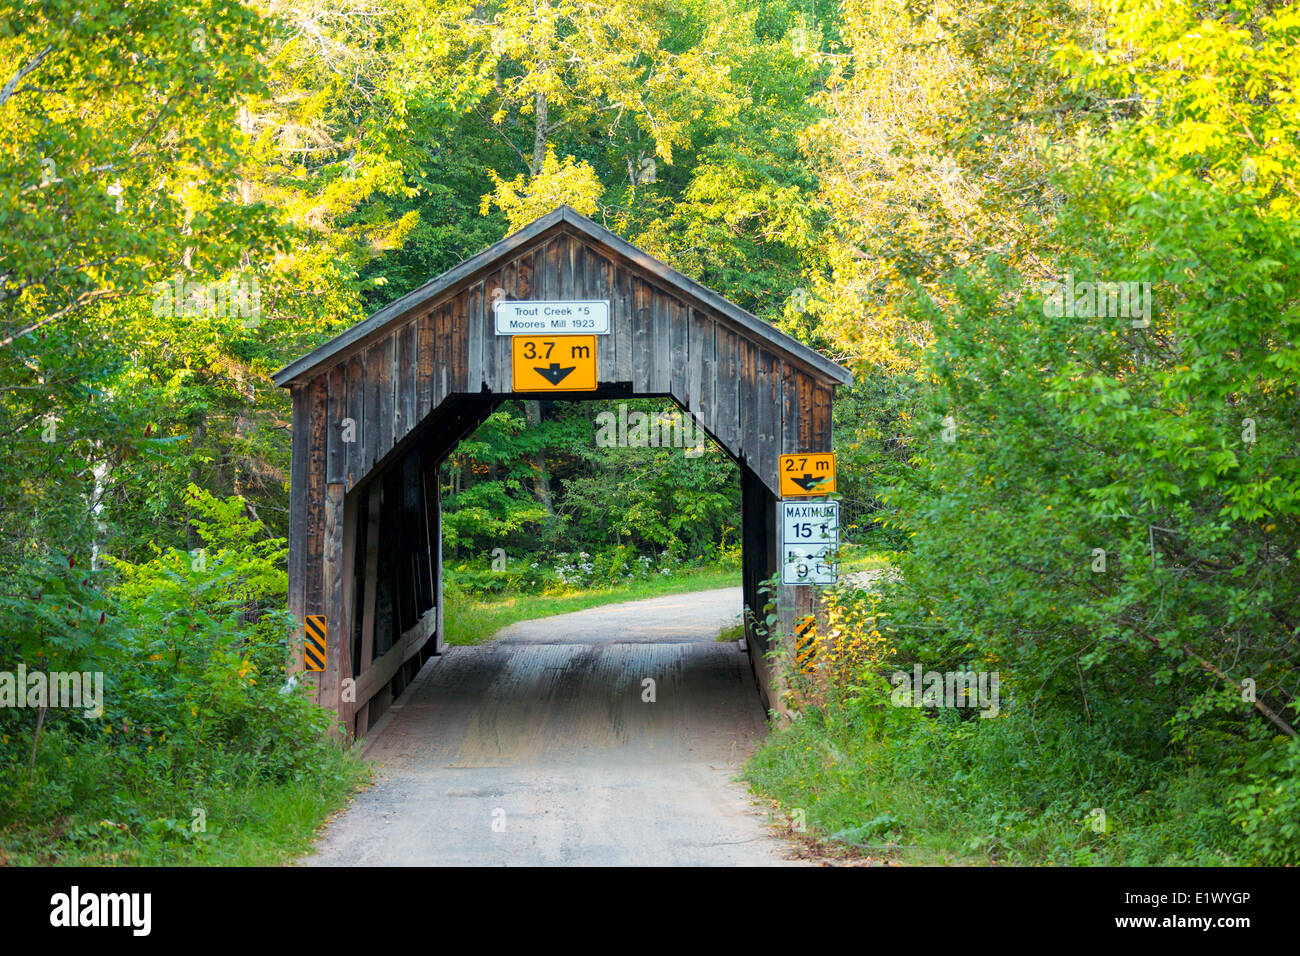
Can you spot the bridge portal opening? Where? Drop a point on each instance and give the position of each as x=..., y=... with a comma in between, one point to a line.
x=592, y=494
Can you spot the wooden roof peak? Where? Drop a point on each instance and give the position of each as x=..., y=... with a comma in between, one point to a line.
x=559, y=219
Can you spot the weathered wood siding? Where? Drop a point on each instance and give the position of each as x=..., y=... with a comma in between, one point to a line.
x=372, y=422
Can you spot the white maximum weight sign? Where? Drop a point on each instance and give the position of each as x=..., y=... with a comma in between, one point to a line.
x=810, y=536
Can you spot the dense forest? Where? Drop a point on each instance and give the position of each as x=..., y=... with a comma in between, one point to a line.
x=1057, y=242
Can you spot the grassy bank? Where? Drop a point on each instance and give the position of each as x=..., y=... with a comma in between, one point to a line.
x=197, y=751
x=873, y=773
x=94, y=806
x=893, y=783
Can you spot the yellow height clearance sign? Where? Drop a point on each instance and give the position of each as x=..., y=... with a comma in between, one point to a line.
x=553, y=363
x=806, y=475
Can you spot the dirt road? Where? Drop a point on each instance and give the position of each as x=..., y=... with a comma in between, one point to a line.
x=539, y=748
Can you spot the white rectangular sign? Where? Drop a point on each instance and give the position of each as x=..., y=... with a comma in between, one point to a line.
x=808, y=564
x=553, y=318
x=810, y=536
x=810, y=522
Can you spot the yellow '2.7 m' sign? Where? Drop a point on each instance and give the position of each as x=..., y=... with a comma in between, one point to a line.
x=553, y=363
x=805, y=475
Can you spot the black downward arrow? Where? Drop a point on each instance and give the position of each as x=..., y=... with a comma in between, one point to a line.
x=807, y=482
x=555, y=375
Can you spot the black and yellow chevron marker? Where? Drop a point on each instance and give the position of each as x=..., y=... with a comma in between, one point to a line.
x=805, y=642
x=313, y=649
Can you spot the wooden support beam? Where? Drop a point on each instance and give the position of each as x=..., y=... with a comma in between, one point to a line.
x=758, y=554
x=377, y=676
x=298, y=527
x=327, y=686
x=374, y=498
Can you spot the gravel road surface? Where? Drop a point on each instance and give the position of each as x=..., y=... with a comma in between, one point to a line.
x=537, y=748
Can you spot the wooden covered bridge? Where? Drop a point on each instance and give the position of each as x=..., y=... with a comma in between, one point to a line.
x=377, y=409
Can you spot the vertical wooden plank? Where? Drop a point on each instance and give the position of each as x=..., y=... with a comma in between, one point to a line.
x=495, y=376
x=679, y=349
x=388, y=594
x=806, y=411
x=823, y=398
x=768, y=401
x=424, y=348
x=748, y=421
x=374, y=497
x=298, y=474
x=598, y=287
x=394, y=422
x=458, y=343
x=347, y=610
x=475, y=329
x=429, y=561
x=642, y=328
x=548, y=277
x=374, y=363
x=356, y=381
x=661, y=341
x=327, y=687
x=336, y=410
x=733, y=384
x=405, y=543
x=315, y=523
x=335, y=451
x=727, y=389
x=516, y=279
x=314, y=528
x=388, y=383
x=567, y=251
x=433, y=528
x=440, y=336
x=526, y=266
x=383, y=422
x=446, y=352
x=624, y=305
x=789, y=410
x=703, y=352
x=585, y=272
x=405, y=397
x=694, y=367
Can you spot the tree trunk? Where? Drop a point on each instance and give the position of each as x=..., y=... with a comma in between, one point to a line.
x=540, y=132
x=541, y=478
